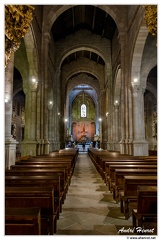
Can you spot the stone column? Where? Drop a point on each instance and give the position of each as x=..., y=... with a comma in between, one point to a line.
x=116, y=120
x=10, y=143
x=38, y=125
x=113, y=129
x=110, y=116
x=29, y=144
x=123, y=67
x=58, y=101
x=56, y=111
x=100, y=132
x=130, y=139
x=50, y=131
x=140, y=145
x=126, y=118
x=45, y=49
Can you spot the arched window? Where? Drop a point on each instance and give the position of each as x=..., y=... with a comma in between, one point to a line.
x=83, y=110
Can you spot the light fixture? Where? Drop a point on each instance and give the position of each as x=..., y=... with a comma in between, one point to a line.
x=116, y=103
x=6, y=100
x=107, y=114
x=50, y=105
x=58, y=113
x=33, y=80
x=135, y=82
x=33, y=83
x=66, y=120
x=100, y=119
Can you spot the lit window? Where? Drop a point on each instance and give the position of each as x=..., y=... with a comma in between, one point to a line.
x=83, y=110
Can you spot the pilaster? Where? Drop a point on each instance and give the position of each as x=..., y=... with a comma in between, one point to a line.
x=122, y=142
x=10, y=142
x=29, y=146
x=116, y=132
x=140, y=145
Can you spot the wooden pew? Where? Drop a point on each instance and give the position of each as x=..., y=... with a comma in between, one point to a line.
x=60, y=158
x=22, y=221
x=38, y=181
x=100, y=158
x=134, y=160
x=111, y=166
x=119, y=178
x=40, y=197
x=152, y=152
x=146, y=205
x=129, y=194
x=48, y=172
x=63, y=164
x=43, y=166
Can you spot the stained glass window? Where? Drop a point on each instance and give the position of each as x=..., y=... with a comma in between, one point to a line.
x=83, y=110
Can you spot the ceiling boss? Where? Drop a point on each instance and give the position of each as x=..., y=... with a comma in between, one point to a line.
x=17, y=22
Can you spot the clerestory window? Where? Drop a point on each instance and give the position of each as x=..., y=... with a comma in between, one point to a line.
x=83, y=110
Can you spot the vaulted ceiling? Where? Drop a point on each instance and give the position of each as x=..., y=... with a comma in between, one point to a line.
x=83, y=17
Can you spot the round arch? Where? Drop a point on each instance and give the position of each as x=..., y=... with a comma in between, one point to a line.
x=58, y=10
x=79, y=47
x=88, y=80
x=83, y=65
x=31, y=51
x=151, y=88
x=26, y=60
x=138, y=53
x=151, y=64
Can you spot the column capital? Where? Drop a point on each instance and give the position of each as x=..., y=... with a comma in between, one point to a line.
x=33, y=84
x=47, y=36
x=58, y=71
x=135, y=89
x=116, y=104
x=121, y=36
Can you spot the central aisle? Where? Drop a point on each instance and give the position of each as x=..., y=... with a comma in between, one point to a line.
x=89, y=208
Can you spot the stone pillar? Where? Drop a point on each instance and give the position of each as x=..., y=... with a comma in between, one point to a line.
x=140, y=145
x=50, y=131
x=116, y=120
x=123, y=68
x=130, y=139
x=10, y=143
x=58, y=101
x=100, y=132
x=29, y=144
x=57, y=112
x=44, y=94
x=126, y=118
x=110, y=116
x=112, y=143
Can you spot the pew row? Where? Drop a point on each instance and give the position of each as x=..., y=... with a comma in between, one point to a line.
x=22, y=221
x=128, y=197
x=39, y=197
x=112, y=166
x=101, y=157
x=38, y=181
x=146, y=205
x=118, y=184
x=34, y=171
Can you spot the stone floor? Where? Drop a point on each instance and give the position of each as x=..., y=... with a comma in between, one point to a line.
x=89, y=208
